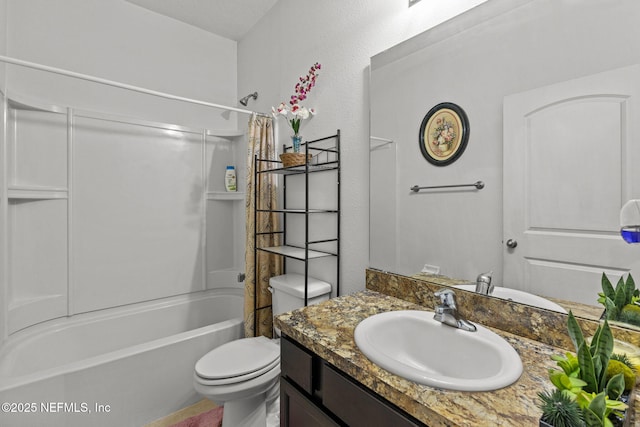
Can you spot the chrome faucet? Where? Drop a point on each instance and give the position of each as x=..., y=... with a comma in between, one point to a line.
x=447, y=311
x=483, y=283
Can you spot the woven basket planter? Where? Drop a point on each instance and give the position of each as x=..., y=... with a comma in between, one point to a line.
x=294, y=159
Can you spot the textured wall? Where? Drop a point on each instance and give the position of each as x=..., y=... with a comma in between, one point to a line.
x=119, y=41
x=342, y=36
x=3, y=29
x=3, y=50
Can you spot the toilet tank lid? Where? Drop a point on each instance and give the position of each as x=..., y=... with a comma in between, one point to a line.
x=293, y=284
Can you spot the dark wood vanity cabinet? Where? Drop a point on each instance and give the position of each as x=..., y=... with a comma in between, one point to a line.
x=315, y=393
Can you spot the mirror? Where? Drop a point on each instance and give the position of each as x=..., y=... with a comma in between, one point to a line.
x=492, y=61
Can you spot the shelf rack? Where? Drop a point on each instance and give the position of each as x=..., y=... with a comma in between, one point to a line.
x=323, y=160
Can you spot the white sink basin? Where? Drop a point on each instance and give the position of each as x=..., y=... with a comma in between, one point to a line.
x=519, y=296
x=413, y=345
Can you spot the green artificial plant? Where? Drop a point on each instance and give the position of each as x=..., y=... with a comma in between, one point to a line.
x=560, y=410
x=583, y=379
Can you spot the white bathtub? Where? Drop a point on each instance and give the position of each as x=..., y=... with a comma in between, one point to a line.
x=125, y=366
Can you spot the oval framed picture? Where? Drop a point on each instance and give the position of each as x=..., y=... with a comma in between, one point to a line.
x=444, y=134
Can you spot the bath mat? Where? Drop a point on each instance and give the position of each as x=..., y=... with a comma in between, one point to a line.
x=211, y=418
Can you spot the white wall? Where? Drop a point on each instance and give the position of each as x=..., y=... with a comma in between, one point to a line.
x=3, y=50
x=342, y=36
x=3, y=38
x=119, y=41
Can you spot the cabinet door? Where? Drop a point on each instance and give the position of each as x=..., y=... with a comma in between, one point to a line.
x=296, y=410
x=296, y=364
x=357, y=406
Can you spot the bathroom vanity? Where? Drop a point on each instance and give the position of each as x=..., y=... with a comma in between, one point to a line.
x=315, y=393
x=326, y=380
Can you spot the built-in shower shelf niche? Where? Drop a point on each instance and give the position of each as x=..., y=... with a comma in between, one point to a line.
x=20, y=102
x=226, y=133
x=36, y=193
x=37, y=247
x=44, y=300
x=25, y=311
x=225, y=238
x=225, y=195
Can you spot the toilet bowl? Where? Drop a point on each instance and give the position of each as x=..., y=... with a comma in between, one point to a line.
x=244, y=375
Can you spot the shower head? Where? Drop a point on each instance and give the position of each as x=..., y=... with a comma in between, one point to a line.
x=245, y=100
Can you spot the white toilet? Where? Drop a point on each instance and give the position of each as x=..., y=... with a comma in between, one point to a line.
x=243, y=375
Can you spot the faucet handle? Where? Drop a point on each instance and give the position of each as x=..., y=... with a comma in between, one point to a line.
x=483, y=283
x=485, y=277
x=447, y=297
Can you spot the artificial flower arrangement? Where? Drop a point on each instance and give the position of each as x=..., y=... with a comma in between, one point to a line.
x=590, y=384
x=295, y=113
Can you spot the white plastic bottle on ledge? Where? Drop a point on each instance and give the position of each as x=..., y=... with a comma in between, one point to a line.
x=230, y=179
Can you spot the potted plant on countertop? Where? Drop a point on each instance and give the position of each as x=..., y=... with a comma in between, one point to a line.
x=295, y=113
x=589, y=385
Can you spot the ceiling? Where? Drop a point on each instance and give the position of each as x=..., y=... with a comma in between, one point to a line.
x=227, y=18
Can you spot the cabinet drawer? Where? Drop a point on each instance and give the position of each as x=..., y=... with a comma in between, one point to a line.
x=356, y=406
x=296, y=364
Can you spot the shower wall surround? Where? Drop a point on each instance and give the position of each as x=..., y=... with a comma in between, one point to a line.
x=147, y=50
x=105, y=211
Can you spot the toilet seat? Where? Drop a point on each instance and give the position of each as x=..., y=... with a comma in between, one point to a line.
x=223, y=394
x=238, y=361
x=239, y=378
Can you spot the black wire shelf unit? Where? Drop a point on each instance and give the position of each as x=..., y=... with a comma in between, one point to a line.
x=325, y=158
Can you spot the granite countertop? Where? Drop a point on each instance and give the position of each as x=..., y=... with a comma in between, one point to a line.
x=327, y=329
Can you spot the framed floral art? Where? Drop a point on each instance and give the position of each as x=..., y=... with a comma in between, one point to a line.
x=444, y=134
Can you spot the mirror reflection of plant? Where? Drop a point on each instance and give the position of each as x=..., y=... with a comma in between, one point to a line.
x=621, y=303
x=583, y=380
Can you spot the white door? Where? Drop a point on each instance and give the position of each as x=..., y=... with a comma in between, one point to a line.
x=571, y=160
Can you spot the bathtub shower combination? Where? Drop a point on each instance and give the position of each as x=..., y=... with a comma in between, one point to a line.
x=124, y=366
x=123, y=257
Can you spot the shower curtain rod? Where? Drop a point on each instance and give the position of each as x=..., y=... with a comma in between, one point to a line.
x=100, y=80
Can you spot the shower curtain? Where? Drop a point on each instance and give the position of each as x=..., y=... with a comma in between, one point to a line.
x=258, y=317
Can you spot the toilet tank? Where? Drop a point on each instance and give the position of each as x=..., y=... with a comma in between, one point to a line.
x=288, y=292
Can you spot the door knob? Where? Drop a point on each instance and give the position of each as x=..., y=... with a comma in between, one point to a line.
x=511, y=243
